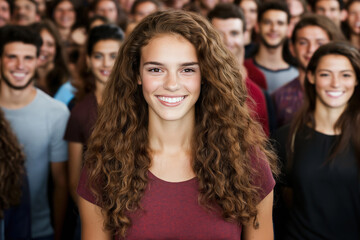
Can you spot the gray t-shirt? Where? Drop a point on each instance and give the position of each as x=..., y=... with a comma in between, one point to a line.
x=276, y=79
x=40, y=128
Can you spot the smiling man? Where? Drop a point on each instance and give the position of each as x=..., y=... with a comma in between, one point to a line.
x=39, y=124
x=273, y=22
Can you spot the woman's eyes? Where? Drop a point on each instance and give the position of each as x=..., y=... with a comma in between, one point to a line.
x=347, y=75
x=188, y=70
x=323, y=74
x=158, y=70
x=155, y=70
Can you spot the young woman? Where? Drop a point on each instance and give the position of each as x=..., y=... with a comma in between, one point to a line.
x=53, y=72
x=64, y=16
x=102, y=48
x=175, y=153
x=321, y=150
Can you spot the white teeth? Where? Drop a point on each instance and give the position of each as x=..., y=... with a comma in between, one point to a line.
x=335, y=94
x=19, y=75
x=172, y=99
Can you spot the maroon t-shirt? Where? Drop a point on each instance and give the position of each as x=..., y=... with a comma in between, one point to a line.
x=82, y=120
x=171, y=210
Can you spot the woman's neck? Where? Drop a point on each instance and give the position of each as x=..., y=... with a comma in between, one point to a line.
x=100, y=87
x=326, y=119
x=171, y=148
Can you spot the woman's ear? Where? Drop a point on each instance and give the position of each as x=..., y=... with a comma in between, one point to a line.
x=311, y=77
x=139, y=81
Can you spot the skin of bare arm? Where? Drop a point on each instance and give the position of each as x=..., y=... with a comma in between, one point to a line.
x=92, y=221
x=75, y=160
x=265, y=230
x=60, y=195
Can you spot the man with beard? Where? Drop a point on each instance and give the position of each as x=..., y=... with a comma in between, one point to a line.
x=39, y=123
x=273, y=21
x=309, y=34
x=5, y=12
x=25, y=12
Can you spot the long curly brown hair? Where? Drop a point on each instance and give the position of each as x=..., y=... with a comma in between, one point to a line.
x=119, y=155
x=11, y=167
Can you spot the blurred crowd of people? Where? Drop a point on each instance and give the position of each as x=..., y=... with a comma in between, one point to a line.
x=56, y=57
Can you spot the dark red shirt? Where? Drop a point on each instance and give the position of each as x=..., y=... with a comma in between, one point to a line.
x=171, y=210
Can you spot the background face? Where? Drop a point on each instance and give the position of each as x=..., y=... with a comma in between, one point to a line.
x=308, y=40
x=64, y=15
x=48, y=49
x=273, y=28
x=24, y=12
x=102, y=59
x=4, y=13
x=18, y=64
x=354, y=18
x=231, y=32
x=250, y=10
x=335, y=81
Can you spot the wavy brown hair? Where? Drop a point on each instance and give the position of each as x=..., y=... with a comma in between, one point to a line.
x=11, y=167
x=119, y=155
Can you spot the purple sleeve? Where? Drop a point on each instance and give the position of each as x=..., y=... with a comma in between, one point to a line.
x=83, y=189
x=263, y=178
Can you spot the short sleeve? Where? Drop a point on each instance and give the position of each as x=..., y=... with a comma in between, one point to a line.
x=263, y=178
x=83, y=189
x=58, y=146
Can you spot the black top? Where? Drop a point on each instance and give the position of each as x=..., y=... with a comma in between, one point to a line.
x=326, y=195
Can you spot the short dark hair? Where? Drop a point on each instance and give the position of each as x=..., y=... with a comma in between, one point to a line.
x=333, y=31
x=138, y=2
x=226, y=11
x=103, y=32
x=24, y=34
x=33, y=1
x=313, y=4
x=274, y=5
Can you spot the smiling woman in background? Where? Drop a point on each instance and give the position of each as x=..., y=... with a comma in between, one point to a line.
x=53, y=74
x=102, y=48
x=175, y=153
x=321, y=150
